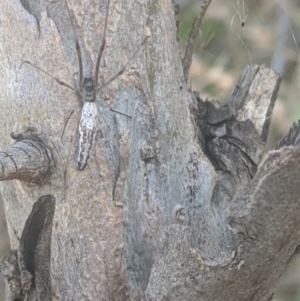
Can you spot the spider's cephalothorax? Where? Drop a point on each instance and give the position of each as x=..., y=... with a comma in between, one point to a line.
x=88, y=89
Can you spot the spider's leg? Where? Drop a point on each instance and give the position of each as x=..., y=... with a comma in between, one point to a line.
x=47, y=73
x=101, y=51
x=120, y=113
x=123, y=68
x=77, y=49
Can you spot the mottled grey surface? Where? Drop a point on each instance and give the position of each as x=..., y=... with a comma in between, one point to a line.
x=168, y=208
x=4, y=246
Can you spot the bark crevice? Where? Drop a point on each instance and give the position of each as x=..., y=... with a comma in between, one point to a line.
x=180, y=225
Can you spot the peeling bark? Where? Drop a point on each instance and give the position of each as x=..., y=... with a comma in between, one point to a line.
x=174, y=203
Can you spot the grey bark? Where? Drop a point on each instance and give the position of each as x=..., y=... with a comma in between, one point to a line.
x=175, y=203
x=28, y=159
x=27, y=269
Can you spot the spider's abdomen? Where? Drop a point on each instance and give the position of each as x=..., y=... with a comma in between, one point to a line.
x=87, y=131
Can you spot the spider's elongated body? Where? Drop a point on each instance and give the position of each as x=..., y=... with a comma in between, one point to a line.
x=88, y=89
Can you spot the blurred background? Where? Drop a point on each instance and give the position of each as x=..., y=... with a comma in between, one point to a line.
x=236, y=33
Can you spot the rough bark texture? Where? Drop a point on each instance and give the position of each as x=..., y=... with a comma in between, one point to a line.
x=174, y=203
x=28, y=269
x=28, y=159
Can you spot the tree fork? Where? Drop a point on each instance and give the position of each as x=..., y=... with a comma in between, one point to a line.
x=191, y=218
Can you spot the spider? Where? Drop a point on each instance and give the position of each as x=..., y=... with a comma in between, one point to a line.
x=240, y=12
x=88, y=90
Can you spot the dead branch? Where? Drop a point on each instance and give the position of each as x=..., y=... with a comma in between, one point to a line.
x=187, y=60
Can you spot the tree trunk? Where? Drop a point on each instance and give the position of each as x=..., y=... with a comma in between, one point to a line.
x=174, y=203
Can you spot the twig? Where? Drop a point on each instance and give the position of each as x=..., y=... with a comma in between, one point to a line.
x=187, y=60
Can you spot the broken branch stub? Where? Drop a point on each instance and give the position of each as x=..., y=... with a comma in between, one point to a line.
x=28, y=159
x=235, y=132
